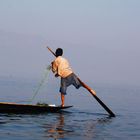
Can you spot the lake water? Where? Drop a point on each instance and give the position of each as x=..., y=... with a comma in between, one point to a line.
x=87, y=120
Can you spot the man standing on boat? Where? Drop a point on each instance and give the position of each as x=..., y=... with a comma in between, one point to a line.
x=61, y=67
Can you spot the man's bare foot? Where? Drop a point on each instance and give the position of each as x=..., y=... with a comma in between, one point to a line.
x=93, y=92
x=62, y=105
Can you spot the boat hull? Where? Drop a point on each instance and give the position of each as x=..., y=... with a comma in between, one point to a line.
x=27, y=108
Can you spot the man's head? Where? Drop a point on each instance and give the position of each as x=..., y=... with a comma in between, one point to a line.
x=59, y=52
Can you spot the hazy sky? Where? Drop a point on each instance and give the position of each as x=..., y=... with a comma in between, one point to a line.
x=101, y=38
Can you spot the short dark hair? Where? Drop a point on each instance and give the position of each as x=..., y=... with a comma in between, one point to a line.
x=59, y=52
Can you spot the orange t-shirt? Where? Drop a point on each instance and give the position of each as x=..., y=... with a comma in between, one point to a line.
x=61, y=66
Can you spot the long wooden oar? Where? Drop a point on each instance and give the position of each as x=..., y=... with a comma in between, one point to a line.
x=92, y=93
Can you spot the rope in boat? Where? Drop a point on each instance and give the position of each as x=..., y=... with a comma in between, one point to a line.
x=46, y=73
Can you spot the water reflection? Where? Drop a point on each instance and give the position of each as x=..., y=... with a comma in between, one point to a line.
x=68, y=126
x=65, y=125
x=56, y=129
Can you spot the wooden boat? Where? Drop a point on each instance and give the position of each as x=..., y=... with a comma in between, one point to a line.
x=27, y=108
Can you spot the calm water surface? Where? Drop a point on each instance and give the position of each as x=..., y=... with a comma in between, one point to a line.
x=87, y=120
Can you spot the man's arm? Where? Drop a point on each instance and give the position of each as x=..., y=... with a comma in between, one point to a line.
x=55, y=69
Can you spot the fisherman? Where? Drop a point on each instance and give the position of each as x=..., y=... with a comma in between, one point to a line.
x=61, y=67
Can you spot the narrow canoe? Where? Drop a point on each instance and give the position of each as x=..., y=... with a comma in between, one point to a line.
x=27, y=108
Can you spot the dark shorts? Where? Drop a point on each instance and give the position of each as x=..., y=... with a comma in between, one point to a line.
x=69, y=80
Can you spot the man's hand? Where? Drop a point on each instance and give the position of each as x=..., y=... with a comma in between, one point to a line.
x=56, y=75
